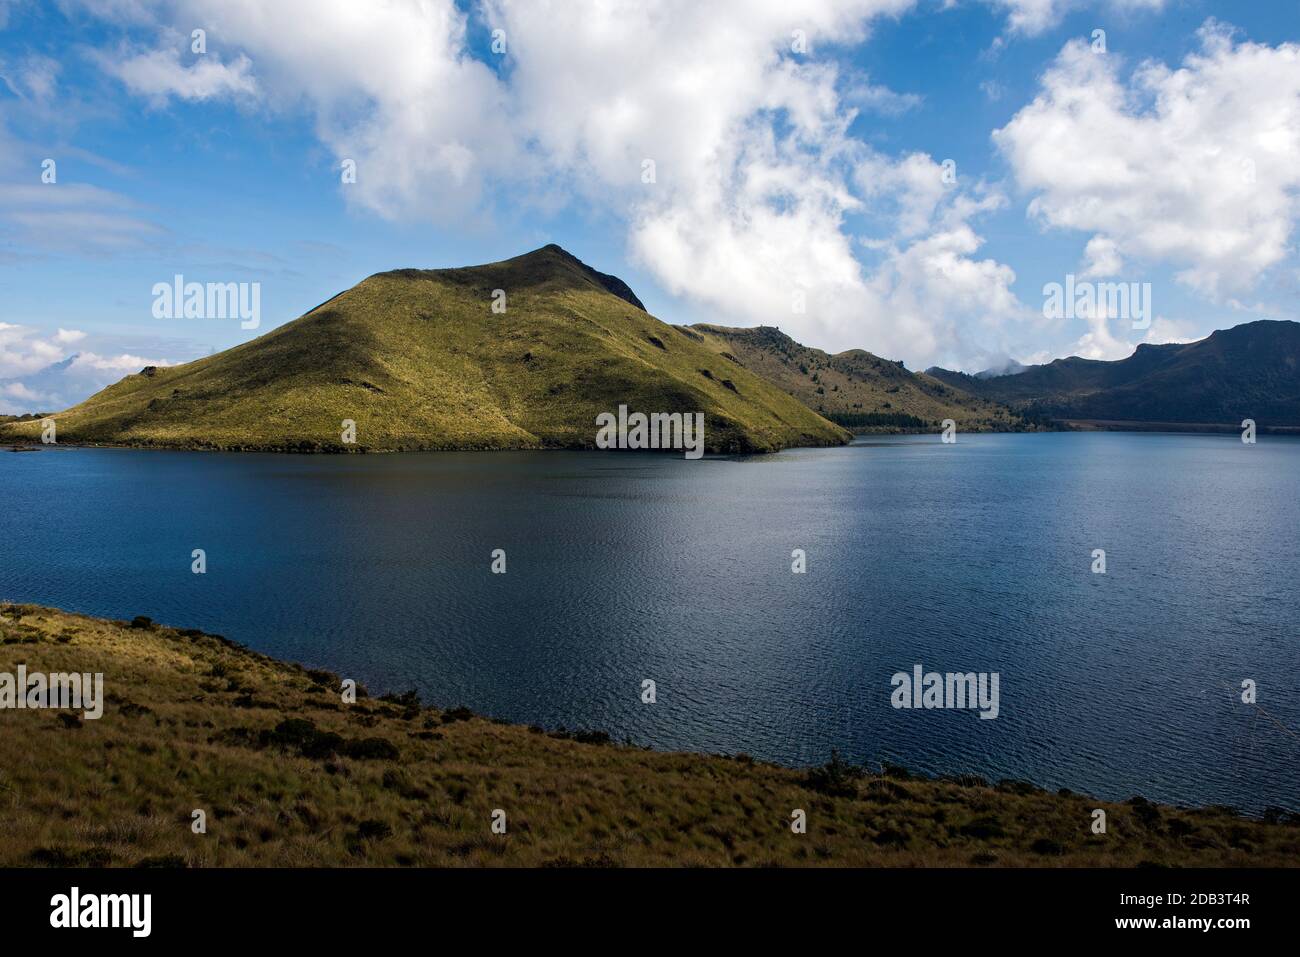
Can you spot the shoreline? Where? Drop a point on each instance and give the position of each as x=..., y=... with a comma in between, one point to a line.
x=197, y=721
x=1074, y=427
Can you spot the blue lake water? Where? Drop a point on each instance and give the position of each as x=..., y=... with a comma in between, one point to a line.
x=620, y=567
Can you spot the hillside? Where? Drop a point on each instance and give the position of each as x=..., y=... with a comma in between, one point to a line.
x=856, y=389
x=418, y=359
x=288, y=775
x=1248, y=371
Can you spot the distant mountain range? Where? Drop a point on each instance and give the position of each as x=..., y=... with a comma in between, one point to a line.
x=858, y=390
x=1251, y=371
x=420, y=359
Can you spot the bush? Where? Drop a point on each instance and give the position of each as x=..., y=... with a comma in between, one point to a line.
x=983, y=828
x=367, y=749
x=835, y=778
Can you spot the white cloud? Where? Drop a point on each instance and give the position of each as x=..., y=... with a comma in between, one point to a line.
x=390, y=85
x=1100, y=342
x=1195, y=167
x=39, y=374
x=1032, y=17
x=1102, y=258
x=755, y=173
x=159, y=74
x=119, y=364
x=34, y=78
x=761, y=190
x=22, y=351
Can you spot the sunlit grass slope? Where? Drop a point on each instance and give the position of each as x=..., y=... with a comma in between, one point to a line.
x=855, y=388
x=289, y=775
x=418, y=359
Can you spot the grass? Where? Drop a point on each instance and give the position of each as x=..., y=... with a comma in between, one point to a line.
x=289, y=776
x=419, y=360
x=855, y=388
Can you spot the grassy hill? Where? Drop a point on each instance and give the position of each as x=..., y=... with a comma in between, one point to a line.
x=419, y=360
x=856, y=389
x=287, y=775
x=1249, y=371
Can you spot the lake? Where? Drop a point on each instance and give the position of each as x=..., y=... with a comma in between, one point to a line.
x=622, y=567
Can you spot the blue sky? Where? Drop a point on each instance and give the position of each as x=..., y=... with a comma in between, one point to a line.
x=782, y=173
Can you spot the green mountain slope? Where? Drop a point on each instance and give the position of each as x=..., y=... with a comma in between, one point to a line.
x=855, y=388
x=1248, y=371
x=418, y=359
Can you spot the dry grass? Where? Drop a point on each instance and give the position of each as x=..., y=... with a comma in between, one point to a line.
x=190, y=723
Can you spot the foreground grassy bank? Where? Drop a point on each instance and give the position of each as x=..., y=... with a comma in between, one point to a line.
x=287, y=774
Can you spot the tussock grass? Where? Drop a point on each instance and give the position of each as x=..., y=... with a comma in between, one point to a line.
x=287, y=782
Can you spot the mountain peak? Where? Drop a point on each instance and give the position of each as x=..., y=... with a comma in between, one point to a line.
x=548, y=264
x=553, y=256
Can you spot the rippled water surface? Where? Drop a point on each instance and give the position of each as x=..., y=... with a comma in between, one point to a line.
x=969, y=557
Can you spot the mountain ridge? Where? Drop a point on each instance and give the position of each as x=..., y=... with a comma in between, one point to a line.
x=856, y=388
x=1251, y=370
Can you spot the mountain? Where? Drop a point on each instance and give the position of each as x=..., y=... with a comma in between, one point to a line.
x=1249, y=371
x=855, y=388
x=419, y=359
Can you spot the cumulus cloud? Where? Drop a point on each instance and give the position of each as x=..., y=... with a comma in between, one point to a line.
x=1193, y=166
x=391, y=86
x=741, y=107
x=760, y=189
x=38, y=373
x=21, y=351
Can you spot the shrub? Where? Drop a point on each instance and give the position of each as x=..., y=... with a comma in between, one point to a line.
x=377, y=749
x=835, y=778
x=983, y=828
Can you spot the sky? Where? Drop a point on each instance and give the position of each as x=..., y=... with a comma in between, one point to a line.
x=909, y=177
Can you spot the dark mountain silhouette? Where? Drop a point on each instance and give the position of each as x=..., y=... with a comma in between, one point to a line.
x=1251, y=371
